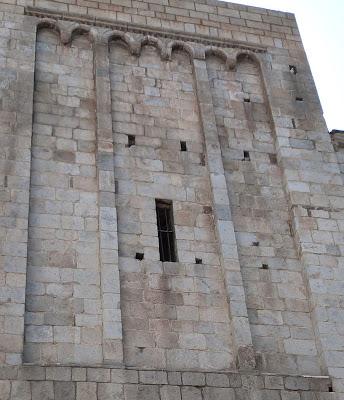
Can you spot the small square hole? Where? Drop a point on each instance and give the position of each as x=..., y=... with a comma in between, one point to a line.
x=265, y=266
x=255, y=244
x=246, y=156
x=247, y=100
x=131, y=140
x=183, y=146
x=273, y=159
x=293, y=69
x=207, y=209
x=330, y=388
x=198, y=260
x=139, y=256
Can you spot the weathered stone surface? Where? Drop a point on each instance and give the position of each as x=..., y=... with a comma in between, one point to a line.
x=231, y=131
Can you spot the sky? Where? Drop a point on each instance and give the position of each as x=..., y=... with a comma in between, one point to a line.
x=321, y=24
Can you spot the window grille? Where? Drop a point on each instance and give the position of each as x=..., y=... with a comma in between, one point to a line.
x=164, y=213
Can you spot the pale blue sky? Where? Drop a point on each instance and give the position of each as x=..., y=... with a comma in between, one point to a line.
x=321, y=23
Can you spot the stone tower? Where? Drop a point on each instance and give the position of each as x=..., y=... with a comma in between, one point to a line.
x=171, y=205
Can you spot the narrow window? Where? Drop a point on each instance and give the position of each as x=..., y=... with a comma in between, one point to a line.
x=131, y=140
x=183, y=146
x=164, y=214
x=299, y=99
x=247, y=100
x=246, y=156
x=293, y=123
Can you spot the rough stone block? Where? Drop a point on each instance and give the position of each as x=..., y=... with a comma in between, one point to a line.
x=64, y=390
x=42, y=390
x=110, y=391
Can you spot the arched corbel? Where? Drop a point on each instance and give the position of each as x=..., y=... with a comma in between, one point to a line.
x=228, y=59
x=81, y=29
x=153, y=41
x=247, y=55
x=49, y=23
x=179, y=44
x=132, y=44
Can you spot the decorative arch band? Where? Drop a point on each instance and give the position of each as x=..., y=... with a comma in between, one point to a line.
x=135, y=42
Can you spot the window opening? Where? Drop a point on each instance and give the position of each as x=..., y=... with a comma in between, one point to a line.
x=246, y=156
x=293, y=69
x=164, y=213
x=183, y=146
x=131, y=140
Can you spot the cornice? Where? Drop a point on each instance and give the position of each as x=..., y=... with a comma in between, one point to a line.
x=145, y=30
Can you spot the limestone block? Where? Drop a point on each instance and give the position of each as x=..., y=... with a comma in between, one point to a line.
x=191, y=393
x=20, y=390
x=110, y=391
x=42, y=390
x=218, y=393
x=64, y=390
x=86, y=390
x=5, y=389
x=170, y=393
x=143, y=392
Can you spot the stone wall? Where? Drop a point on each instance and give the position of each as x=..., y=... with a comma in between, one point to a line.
x=257, y=197
x=75, y=383
x=277, y=299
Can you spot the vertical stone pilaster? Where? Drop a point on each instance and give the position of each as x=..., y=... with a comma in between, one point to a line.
x=17, y=83
x=223, y=221
x=314, y=186
x=110, y=284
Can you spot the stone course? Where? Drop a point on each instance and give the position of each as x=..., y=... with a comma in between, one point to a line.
x=37, y=383
x=253, y=308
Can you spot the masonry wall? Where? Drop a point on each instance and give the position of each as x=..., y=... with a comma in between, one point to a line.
x=276, y=295
x=257, y=197
x=63, y=279
x=174, y=314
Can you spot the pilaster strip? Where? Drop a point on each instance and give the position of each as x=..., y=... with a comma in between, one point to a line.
x=224, y=226
x=110, y=284
x=315, y=193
